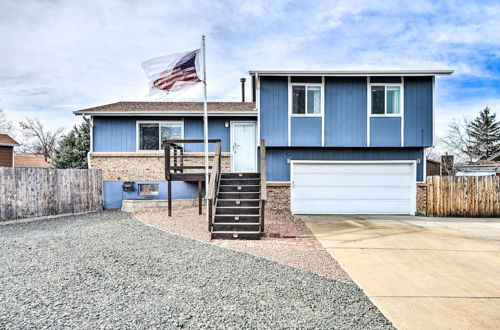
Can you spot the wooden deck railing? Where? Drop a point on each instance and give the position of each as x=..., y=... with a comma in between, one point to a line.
x=263, y=179
x=213, y=186
x=174, y=152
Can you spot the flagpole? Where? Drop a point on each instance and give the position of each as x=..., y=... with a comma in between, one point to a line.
x=205, y=121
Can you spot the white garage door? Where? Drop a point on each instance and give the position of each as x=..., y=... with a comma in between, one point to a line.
x=353, y=187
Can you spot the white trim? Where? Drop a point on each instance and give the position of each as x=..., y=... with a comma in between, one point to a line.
x=413, y=187
x=322, y=111
x=353, y=73
x=231, y=138
x=424, y=168
x=138, y=122
x=257, y=101
x=433, y=111
x=385, y=114
x=402, y=110
x=368, y=110
x=9, y=145
x=168, y=114
x=306, y=85
x=289, y=111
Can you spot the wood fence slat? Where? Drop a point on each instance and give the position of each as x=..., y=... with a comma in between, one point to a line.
x=34, y=192
x=463, y=196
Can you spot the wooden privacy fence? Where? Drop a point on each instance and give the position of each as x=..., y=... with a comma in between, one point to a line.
x=32, y=192
x=463, y=196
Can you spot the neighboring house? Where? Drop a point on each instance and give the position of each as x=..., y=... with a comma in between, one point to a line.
x=7, y=145
x=30, y=161
x=478, y=170
x=337, y=141
x=495, y=157
x=433, y=167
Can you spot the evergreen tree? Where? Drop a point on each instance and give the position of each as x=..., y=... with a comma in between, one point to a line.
x=73, y=148
x=484, y=134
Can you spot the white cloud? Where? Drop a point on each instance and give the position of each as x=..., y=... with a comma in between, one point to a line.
x=60, y=56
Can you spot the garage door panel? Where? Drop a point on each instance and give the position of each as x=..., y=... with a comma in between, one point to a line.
x=350, y=188
x=353, y=169
x=373, y=180
x=340, y=193
x=347, y=207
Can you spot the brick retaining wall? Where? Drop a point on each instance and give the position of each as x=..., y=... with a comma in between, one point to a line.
x=143, y=166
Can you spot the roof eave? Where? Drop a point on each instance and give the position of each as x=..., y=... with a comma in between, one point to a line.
x=354, y=73
x=9, y=144
x=165, y=113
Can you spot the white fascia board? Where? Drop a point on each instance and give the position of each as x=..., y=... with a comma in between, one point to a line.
x=171, y=114
x=8, y=145
x=355, y=73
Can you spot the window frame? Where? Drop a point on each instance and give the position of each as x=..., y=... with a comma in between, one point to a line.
x=140, y=185
x=385, y=114
x=306, y=85
x=159, y=122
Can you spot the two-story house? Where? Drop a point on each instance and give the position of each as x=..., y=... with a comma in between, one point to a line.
x=336, y=142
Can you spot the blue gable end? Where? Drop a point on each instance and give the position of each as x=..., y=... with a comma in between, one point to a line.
x=274, y=110
x=418, y=111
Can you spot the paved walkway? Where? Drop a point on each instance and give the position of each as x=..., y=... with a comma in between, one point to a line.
x=421, y=274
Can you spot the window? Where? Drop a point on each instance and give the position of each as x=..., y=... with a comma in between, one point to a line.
x=306, y=100
x=386, y=100
x=152, y=134
x=148, y=189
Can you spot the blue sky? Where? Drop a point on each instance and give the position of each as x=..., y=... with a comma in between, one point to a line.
x=59, y=56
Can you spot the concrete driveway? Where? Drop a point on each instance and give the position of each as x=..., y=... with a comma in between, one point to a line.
x=422, y=273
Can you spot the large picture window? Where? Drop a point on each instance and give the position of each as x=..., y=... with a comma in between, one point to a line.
x=152, y=134
x=385, y=100
x=306, y=100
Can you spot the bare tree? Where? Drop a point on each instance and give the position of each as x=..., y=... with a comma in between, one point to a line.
x=6, y=125
x=457, y=141
x=39, y=140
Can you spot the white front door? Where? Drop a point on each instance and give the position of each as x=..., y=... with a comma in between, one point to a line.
x=243, y=146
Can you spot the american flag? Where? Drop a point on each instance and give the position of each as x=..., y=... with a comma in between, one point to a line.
x=180, y=72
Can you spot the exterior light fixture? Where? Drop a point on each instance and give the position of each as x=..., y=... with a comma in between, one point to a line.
x=226, y=124
x=418, y=160
x=288, y=161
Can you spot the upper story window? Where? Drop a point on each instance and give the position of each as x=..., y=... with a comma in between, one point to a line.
x=385, y=99
x=152, y=134
x=306, y=99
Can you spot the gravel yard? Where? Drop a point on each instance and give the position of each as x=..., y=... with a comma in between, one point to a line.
x=108, y=269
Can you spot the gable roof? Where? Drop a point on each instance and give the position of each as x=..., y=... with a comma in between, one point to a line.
x=7, y=141
x=169, y=108
x=29, y=161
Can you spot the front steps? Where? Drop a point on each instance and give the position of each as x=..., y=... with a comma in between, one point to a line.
x=237, y=213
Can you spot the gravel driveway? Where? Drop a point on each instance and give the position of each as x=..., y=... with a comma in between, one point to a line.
x=107, y=269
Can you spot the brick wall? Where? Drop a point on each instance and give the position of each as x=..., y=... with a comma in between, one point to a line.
x=278, y=196
x=142, y=166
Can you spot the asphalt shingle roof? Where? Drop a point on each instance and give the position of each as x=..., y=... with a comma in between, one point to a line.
x=169, y=107
x=7, y=140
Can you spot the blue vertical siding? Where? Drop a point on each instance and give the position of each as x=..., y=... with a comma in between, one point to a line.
x=114, y=134
x=385, y=131
x=113, y=193
x=118, y=134
x=306, y=131
x=418, y=111
x=278, y=169
x=345, y=111
x=274, y=110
